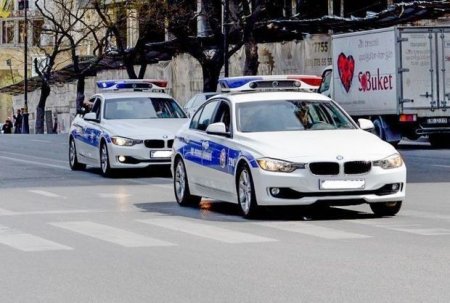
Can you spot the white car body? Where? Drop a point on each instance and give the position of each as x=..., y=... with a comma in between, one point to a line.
x=151, y=135
x=212, y=160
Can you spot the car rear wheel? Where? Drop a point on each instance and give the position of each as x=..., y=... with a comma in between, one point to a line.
x=386, y=208
x=246, y=193
x=104, y=161
x=73, y=159
x=181, y=186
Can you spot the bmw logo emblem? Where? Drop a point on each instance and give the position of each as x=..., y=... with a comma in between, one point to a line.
x=165, y=137
x=339, y=157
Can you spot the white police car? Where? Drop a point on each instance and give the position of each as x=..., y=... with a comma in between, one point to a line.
x=131, y=124
x=268, y=142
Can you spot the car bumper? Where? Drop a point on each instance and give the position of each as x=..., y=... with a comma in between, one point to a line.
x=137, y=156
x=301, y=187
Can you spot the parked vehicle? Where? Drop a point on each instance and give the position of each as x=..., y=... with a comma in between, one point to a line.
x=399, y=77
x=269, y=142
x=196, y=101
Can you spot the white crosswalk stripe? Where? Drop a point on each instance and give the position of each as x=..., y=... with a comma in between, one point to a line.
x=110, y=234
x=206, y=230
x=27, y=242
x=310, y=229
x=416, y=229
x=45, y=193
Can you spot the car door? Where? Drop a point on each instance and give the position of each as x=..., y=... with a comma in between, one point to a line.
x=79, y=133
x=92, y=134
x=217, y=149
x=195, y=140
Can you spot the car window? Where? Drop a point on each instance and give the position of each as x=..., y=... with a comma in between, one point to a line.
x=207, y=115
x=325, y=85
x=96, y=107
x=190, y=103
x=142, y=108
x=223, y=115
x=290, y=115
x=194, y=120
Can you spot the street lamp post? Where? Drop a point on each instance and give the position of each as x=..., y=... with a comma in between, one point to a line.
x=25, y=125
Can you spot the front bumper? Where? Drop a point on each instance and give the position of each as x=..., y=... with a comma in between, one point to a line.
x=301, y=187
x=137, y=156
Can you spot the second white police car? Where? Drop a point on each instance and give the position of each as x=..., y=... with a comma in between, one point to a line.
x=268, y=142
x=130, y=124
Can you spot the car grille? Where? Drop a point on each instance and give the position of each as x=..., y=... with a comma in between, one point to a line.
x=154, y=143
x=169, y=143
x=357, y=167
x=324, y=168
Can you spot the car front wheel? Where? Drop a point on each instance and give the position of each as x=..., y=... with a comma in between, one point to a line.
x=104, y=161
x=386, y=208
x=73, y=159
x=246, y=193
x=181, y=186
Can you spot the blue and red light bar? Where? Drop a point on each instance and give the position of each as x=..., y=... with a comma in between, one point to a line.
x=137, y=84
x=280, y=82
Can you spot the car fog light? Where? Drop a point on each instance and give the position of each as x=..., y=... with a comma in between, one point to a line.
x=395, y=186
x=122, y=158
x=274, y=191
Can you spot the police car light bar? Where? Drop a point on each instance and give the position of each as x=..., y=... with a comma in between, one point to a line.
x=270, y=82
x=135, y=84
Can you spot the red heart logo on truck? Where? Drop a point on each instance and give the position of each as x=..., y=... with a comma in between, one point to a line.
x=346, y=68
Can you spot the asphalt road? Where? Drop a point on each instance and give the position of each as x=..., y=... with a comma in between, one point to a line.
x=78, y=237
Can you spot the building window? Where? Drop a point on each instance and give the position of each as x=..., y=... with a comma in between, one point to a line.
x=21, y=31
x=22, y=4
x=37, y=31
x=8, y=32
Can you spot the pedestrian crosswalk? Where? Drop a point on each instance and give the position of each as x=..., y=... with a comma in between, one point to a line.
x=166, y=231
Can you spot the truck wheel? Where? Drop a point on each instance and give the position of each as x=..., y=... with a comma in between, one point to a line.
x=386, y=208
x=439, y=140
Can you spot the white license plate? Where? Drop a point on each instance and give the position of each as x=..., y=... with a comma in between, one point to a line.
x=160, y=154
x=437, y=120
x=342, y=184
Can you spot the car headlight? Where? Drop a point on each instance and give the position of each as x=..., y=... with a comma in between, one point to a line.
x=392, y=161
x=279, y=165
x=121, y=141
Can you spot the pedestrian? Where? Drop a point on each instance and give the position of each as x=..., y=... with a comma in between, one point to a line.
x=7, y=127
x=18, y=122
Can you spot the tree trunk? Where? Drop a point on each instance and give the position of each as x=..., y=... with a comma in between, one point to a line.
x=40, y=109
x=251, y=58
x=211, y=73
x=142, y=71
x=130, y=68
x=80, y=92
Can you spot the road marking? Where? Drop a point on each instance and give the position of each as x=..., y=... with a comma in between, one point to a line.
x=416, y=229
x=205, y=230
x=425, y=215
x=5, y=212
x=43, y=141
x=444, y=166
x=113, y=195
x=35, y=163
x=35, y=157
x=312, y=230
x=26, y=242
x=110, y=234
x=46, y=193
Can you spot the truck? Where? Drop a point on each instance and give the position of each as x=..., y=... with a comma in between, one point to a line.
x=398, y=77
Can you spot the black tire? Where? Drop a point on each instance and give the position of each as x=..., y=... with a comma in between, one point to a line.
x=181, y=186
x=73, y=159
x=248, y=206
x=386, y=208
x=105, y=167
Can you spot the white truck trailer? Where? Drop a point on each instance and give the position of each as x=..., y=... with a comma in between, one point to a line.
x=399, y=77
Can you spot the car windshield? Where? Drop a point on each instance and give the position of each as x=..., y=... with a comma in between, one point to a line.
x=142, y=108
x=290, y=115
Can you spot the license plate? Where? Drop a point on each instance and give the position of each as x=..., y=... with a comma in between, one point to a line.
x=342, y=184
x=437, y=120
x=160, y=154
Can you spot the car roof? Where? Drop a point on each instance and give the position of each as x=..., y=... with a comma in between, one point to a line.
x=252, y=96
x=132, y=94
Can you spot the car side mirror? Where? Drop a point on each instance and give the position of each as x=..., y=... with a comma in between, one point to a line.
x=81, y=111
x=217, y=128
x=91, y=117
x=366, y=124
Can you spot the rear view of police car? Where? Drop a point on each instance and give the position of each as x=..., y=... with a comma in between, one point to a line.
x=129, y=124
x=269, y=142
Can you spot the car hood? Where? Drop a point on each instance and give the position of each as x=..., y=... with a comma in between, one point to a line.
x=323, y=145
x=144, y=128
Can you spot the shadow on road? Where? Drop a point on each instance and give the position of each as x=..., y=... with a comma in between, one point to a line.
x=151, y=172
x=221, y=211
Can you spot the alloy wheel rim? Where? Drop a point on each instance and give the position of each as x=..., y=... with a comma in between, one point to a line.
x=180, y=181
x=72, y=153
x=245, y=191
x=104, y=159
